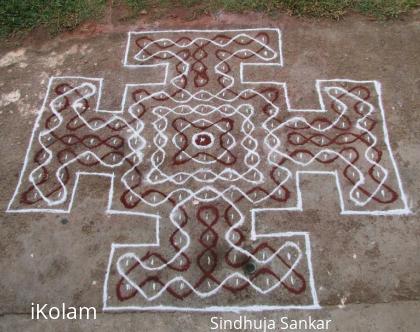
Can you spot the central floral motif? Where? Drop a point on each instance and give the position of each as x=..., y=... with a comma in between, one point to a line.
x=204, y=141
x=215, y=143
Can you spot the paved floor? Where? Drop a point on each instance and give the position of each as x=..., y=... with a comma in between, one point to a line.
x=363, y=270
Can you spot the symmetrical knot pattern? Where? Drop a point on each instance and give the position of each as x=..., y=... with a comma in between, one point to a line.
x=200, y=154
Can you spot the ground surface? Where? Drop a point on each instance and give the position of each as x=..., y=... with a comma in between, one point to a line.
x=366, y=268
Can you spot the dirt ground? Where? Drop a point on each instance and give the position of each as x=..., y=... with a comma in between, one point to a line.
x=366, y=268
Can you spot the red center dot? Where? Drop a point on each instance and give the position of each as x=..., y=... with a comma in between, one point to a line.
x=202, y=140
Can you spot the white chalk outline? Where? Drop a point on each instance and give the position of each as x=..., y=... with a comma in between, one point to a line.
x=298, y=207
x=311, y=283
x=278, y=56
